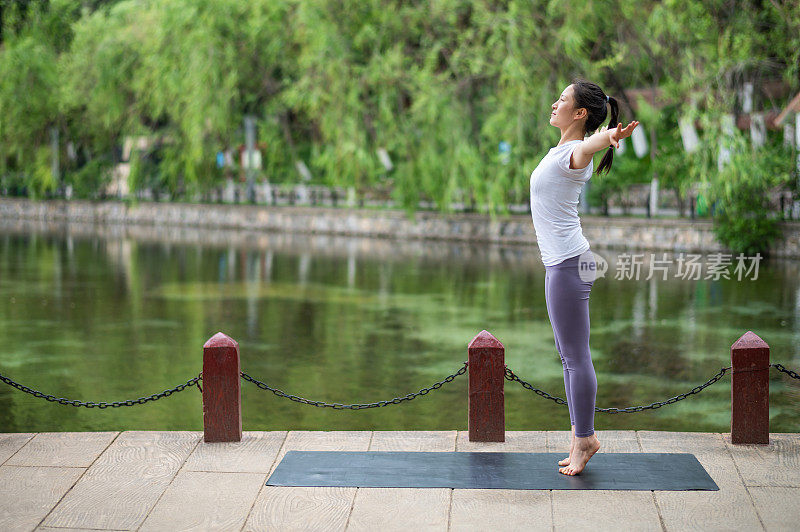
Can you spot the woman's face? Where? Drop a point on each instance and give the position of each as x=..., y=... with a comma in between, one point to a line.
x=563, y=114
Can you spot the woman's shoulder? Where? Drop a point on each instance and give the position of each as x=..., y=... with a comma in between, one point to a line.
x=563, y=155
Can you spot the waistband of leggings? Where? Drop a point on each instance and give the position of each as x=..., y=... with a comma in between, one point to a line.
x=571, y=262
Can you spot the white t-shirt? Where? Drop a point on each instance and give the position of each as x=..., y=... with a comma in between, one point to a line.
x=555, y=189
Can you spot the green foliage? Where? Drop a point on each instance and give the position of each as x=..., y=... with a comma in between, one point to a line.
x=741, y=223
x=744, y=220
x=88, y=180
x=42, y=180
x=28, y=105
x=437, y=84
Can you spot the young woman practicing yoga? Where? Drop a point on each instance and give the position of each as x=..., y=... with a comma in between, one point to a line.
x=555, y=187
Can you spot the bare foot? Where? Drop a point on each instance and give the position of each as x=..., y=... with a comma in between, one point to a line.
x=566, y=460
x=583, y=451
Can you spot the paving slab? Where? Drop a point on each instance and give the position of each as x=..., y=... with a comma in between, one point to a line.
x=123, y=484
x=605, y=510
x=729, y=508
x=200, y=500
x=59, y=529
x=413, y=440
x=778, y=507
x=29, y=493
x=775, y=464
x=173, y=481
x=527, y=441
x=276, y=504
x=301, y=508
x=400, y=509
x=256, y=453
x=12, y=442
x=65, y=449
x=501, y=510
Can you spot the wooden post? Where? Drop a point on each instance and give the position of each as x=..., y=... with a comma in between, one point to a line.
x=487, y=420
x=222, y=398
x=750, y=390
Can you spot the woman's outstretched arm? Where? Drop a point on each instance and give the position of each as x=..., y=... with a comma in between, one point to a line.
x=601, y=140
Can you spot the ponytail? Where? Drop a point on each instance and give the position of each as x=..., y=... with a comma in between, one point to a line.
x=591, y=97
x=605, y=163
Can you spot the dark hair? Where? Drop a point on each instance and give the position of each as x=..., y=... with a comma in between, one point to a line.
x=591, y=97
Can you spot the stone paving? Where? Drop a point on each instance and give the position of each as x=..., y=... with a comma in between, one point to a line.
x=142, y=480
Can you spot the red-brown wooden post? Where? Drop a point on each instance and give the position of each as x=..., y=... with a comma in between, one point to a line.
x=487, y=420
x=222, y=404
x=750, y=390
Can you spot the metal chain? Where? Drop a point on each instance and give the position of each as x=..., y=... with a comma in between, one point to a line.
x=509, y=375
x=194, y=381
x=340, y=406
x=512, y=377
x=781, y=367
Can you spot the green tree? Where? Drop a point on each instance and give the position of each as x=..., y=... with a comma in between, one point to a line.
x=745, y=221
x=29, y=108
x=438, y=85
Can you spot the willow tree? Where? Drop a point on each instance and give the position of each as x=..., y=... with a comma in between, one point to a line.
x=718, y=47
x=438, y=85
x=34, y=35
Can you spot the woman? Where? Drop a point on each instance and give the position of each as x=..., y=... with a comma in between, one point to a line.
x=569, y=265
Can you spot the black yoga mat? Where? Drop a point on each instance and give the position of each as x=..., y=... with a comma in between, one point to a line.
x=493, y=470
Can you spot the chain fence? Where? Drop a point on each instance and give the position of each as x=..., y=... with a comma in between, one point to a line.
x=508, y=375
x=340, y=406
x=789, y=372
x=630, y=409
x=194, y=381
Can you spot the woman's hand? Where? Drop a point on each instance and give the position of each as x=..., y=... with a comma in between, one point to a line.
x=618, y=133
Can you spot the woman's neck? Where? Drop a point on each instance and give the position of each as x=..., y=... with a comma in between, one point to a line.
x=573, y=132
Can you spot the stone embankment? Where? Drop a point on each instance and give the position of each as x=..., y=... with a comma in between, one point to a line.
x=670, y=235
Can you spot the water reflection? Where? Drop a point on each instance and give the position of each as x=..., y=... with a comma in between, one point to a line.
x=108, y=313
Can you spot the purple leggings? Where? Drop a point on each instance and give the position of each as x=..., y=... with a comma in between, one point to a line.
x=567, y=298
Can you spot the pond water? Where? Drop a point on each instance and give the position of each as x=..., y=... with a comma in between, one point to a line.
x=113, y=313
